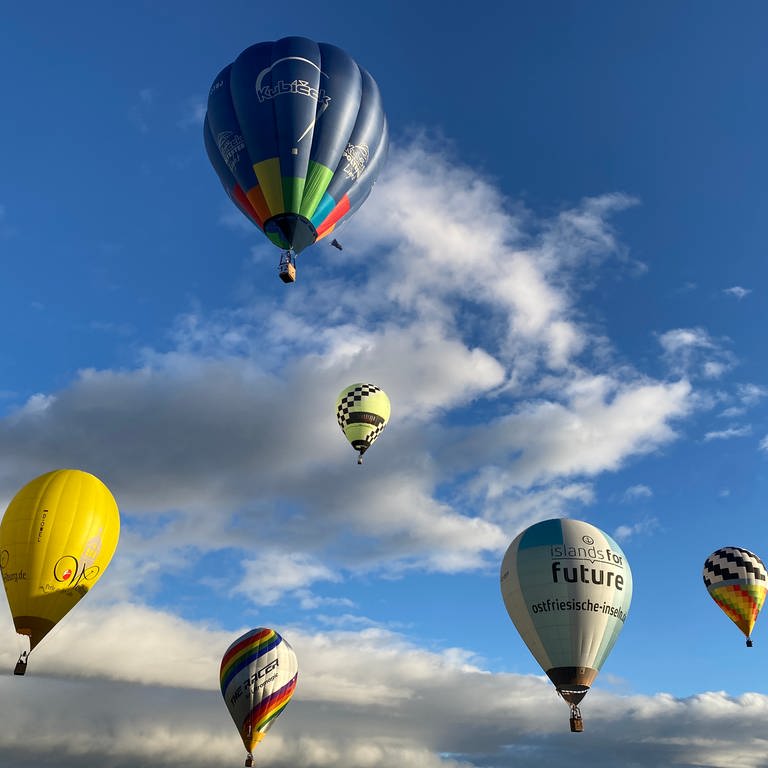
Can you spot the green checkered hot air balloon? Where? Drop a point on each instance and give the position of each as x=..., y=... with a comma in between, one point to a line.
x=362, y=411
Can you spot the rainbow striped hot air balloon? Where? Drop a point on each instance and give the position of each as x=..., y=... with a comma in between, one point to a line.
x=737, y=581
x=258, y=677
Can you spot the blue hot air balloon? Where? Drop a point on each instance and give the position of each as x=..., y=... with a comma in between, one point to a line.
x=296, y=132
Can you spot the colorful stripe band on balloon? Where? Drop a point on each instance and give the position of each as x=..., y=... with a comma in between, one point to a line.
x=252, y=646
x=269, y=708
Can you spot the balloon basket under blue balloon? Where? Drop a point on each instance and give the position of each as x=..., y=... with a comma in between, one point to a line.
x=287, y=270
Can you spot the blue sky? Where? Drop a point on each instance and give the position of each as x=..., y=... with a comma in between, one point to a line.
x=560, y=280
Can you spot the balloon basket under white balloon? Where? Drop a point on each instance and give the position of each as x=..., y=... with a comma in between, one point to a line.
x=577, y=724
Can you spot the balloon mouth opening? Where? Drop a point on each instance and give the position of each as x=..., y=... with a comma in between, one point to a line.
x=572, y=683
x=573, y=694
x=290, y=231
x=33, y=629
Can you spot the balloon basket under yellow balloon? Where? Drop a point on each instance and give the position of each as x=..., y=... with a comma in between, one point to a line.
x=21, y=665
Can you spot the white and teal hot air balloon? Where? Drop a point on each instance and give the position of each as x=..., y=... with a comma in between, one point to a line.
x=567, y=587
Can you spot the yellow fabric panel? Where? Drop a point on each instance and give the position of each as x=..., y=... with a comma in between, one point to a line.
x=271, y=183
x=56, y=539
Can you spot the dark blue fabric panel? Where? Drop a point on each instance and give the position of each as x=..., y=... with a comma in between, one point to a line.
x=364, y=142
x=360, y=190
x=337, y=113
x=298, y=88
x=251, y=85
x=226, y=132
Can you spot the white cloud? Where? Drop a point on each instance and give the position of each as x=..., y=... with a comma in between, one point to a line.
x=732, y=412
x=599, y=425
x=737, y=292
x=232, y=430
x=644, y=527
x=273, y=573
x=727, y=434
x=637, y=492
x=681, y=339
x=194, y=115
x=751, y=394
x=692, y=350
x=764, y=444
x=123, y=685
x=713, y=369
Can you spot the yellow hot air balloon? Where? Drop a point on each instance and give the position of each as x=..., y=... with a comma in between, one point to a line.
x=362, y=411
x=56, y=539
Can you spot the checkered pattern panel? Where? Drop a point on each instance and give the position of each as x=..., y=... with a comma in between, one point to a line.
x=375, y=432
x=734, y=564
x=352, y=398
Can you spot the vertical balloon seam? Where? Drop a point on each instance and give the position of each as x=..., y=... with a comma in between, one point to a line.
x=330, y=139
x=58, y=486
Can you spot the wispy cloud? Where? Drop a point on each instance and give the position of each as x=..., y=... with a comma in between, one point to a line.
x=232, y=427
x=637, y=492
x=644, y=527
x=727, y=434
x=751, y=394
x=140, y=110
x=692, y=351
x=194, y=114
x=737, y=292
x=683, y=339
x=365, y=697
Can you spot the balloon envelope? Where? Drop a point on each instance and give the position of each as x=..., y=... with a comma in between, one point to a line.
x=362, y=410
x=296, y=132
x=258, y=677
x=567, y=587
x=56, y=539
x=737, y=581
